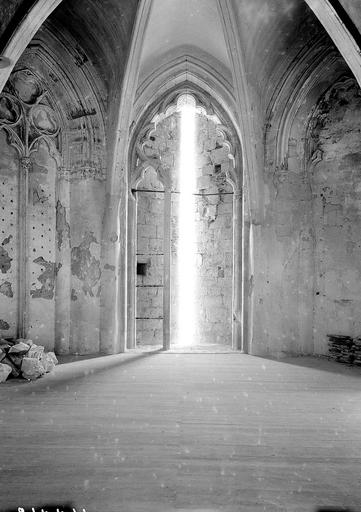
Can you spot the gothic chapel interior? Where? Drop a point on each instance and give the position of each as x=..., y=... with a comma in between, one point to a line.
x=180, y=223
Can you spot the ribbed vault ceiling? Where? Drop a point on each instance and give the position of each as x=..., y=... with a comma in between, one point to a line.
x=184, y=27
x=272, y=33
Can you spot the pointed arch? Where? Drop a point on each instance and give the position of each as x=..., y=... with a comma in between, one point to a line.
x=142, y=155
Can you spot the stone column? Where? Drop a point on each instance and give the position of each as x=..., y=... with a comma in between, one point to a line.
x=132, y=265
x=113, y=304
x=23, y=309
x=245, y=278
x=237, y=271
x=63, y=256
x=166, y=267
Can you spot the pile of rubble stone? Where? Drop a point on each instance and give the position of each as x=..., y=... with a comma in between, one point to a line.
x=345, y=349
x=23, y=358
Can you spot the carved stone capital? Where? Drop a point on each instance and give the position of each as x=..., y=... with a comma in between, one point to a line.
x=26, y=163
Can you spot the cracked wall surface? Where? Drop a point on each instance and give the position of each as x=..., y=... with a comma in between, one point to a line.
x=85, y=266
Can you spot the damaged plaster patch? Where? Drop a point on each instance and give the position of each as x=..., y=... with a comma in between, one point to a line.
x=7, y=240
x=5, y=289
x=62, y=226
x=4, y=326
x=5, y=260
x=84, y=265
x=74, y=296
x=40, y=194
x=46, y=278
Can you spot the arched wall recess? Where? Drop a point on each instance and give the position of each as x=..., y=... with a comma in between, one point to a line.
x=77, y=94
x=313, y=71
x=144, y=153
x=289, y=160
x=330, y=160
x=284, y=148
x=29, y=121
x=253, y=157
x=236, y=102
x=74, y=170
x=46, y=50
x=143, y=124
x=312, y=152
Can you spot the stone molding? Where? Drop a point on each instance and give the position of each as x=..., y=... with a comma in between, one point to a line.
x=185, y=67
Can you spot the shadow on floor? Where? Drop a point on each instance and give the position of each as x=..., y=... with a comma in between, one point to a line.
x=322, y=363
x=79, y=368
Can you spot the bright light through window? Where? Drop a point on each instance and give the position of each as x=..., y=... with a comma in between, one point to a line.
x=187, y=236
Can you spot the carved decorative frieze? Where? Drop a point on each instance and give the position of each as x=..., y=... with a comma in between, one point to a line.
x=25, y=117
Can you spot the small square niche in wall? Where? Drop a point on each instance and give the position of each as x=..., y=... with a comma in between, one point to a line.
x=142, y=269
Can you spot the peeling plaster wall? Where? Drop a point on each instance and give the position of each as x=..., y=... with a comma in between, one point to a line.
x=42, y=265
x=86, y=213
x=9, y=170
x=336, y=188
x=66, y=200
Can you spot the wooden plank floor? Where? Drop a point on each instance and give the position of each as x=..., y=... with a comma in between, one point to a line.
x=200, y=432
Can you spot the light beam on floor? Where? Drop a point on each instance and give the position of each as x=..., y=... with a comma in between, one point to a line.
x=187, y=235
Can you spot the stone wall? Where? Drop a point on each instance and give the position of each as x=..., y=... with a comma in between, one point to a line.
x=43, y=267
x=149, y=292
x=214, y=268
x=284, y=262
x=29, y=124
x=307, y=255
x=214, y=233
x=213, y=197
x=336, y=189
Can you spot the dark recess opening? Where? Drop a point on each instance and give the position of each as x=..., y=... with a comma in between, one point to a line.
x=142, y=269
